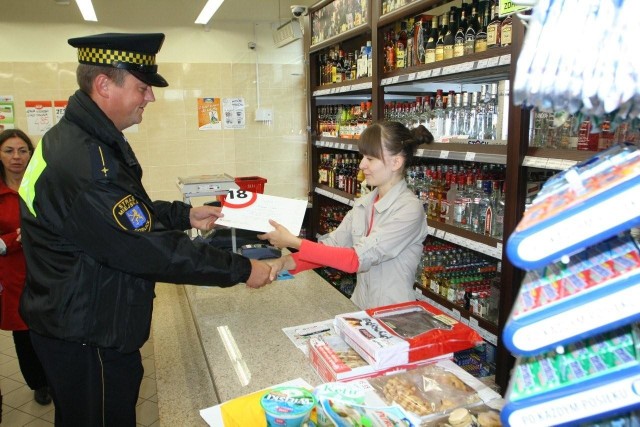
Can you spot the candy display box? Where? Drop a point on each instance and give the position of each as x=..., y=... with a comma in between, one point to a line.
x=403, y=333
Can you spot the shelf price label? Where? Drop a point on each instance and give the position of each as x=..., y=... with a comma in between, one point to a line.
x=481, y=64
x=492, y=62
x=444, y=154
x=395, y=79
x=470, y=156
x=505, y=59
x=436, y=72
x=411, y=77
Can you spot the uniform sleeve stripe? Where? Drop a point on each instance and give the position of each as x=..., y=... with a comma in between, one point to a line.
x=27, y=190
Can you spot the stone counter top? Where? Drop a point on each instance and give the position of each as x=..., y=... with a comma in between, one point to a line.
x=255, y=319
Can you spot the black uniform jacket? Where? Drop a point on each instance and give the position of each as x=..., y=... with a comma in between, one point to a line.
x=95, y=244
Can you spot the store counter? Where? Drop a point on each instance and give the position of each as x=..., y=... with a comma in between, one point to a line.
x=254, y=318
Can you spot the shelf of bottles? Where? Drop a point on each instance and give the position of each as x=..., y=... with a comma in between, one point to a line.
x=458, y=37
x=340, y=72
x=559, y=140
x=462, y=283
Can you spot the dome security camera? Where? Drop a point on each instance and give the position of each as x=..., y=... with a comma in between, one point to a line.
x=298, y=10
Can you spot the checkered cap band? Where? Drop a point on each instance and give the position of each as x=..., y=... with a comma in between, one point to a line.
x=92, y=55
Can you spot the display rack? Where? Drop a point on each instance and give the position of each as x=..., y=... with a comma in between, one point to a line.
x=572, y=326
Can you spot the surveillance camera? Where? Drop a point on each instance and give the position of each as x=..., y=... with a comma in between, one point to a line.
x=298, y=10
x=251, y=45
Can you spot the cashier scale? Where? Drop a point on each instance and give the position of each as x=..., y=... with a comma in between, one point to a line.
x=219, y=185
x=208, y=185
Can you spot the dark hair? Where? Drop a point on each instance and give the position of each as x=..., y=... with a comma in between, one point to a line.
x=13, y=133
x=396, y=139
x=86, y=74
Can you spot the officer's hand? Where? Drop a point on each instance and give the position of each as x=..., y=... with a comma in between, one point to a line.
x=204, y=217
x=261, y=274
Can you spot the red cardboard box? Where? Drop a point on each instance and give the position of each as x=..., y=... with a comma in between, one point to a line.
x=404, y=333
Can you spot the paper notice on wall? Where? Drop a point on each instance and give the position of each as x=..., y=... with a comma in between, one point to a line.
x=7, y=116
x=209, y=114
x=39, y=116
x=234, y=113
x=59, y=107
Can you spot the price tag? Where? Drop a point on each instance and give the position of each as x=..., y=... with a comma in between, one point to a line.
x=444, y=154
x=436, y=72
x=449, y=69
x=384, y=82
x=464, y=321
x=557, y=164
x=411, y=77
x=420, y=152
x=481, y=64
x=473, y=322
x=540, y=162
x=343, y=146
x=440, y=234
x=395, y=79
x=470, y=156
x=467, y=66
x=569, y=163
x=505, y=59
x=492, y=62
x=428, y=73
x=455, y=314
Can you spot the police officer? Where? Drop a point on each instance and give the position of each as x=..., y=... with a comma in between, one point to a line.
x=95, y=243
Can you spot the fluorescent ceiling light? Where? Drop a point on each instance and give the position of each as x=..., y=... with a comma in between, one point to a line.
x=86, y=8
x=208, y=10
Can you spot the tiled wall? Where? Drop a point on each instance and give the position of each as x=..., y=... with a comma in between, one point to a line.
x=168, y=142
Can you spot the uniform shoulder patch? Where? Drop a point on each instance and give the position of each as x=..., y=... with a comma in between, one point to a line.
x=131, y=214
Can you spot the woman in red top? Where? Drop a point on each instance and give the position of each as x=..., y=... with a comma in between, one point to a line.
x=15, y=151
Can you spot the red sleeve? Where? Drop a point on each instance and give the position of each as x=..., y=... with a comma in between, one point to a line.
x=302, y=265
x=345, y=259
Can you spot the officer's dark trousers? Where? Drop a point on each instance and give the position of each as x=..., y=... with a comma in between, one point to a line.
x=90, y=386
x=30, y=365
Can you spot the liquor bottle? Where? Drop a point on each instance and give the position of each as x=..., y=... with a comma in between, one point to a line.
x=420, y=36
x=498, y=213
x=491, y=113
x=505, y=31
x=437, y=122
x=493, y=29
x=468, y=196
x=452, y=197
x=369, y=59
x=476, y=211
x=353, y=67
x=460, y=36
x=410, y=53
x=460, y=202
x=425, y=114
x=481, y=36
x=449, y=115
x=472, y=117
x=472, y=29
x=462, y=113
x=430, y=45
x=450, y=35
x=401, y=46
x=487, y=208
x=440, y=41
x=390, y=52
x=481, y=115
x=321, y=66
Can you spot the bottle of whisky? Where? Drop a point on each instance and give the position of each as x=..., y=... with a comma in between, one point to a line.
x=460, y=36
x=473, y=26
x=430, y=46
x=440, y=40
x=493, y=29
x=505, y=31
x=481, y=36
x=450, y=36
x=401, y=46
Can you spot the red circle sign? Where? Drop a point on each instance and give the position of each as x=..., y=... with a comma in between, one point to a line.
x=237, y=199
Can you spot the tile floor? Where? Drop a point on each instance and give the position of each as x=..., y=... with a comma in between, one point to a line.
x=19, y=408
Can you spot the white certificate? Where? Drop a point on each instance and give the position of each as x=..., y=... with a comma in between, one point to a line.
x=252, y=211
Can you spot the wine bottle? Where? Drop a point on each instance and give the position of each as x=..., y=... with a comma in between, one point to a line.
x=440, y=40
x=430, y=46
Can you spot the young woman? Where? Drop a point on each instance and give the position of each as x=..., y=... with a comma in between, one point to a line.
x=15, y=151
x=381, y=238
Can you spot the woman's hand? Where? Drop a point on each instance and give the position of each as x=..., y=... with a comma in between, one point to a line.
x=204, y=217
x=281, y=237
x=284, y=263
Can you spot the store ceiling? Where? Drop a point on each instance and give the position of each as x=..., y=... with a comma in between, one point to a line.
x=145, y=13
